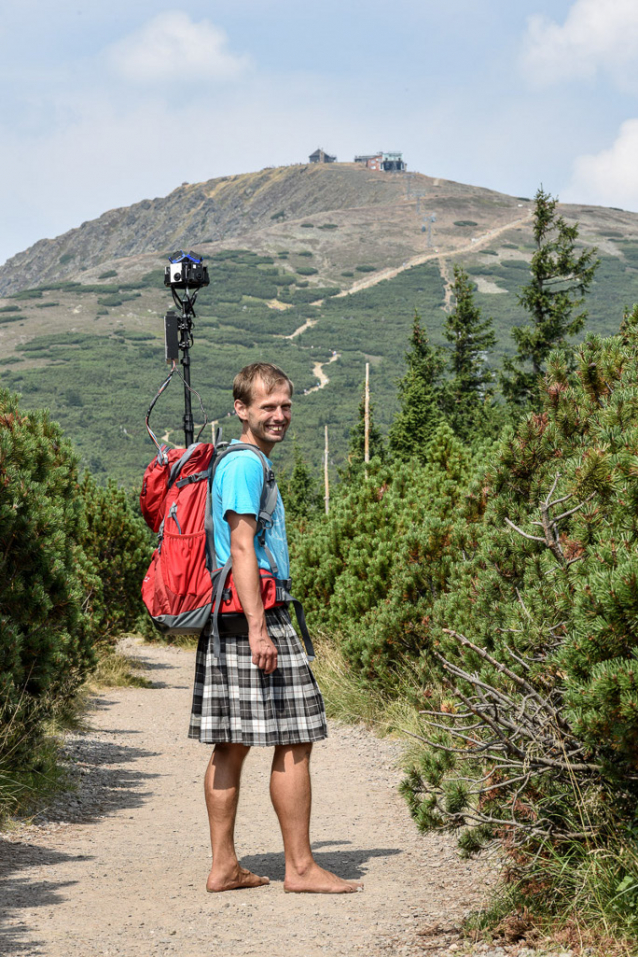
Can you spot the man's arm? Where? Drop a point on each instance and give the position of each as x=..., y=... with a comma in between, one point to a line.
x=248, y=585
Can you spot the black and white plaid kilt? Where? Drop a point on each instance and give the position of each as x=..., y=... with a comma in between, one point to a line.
x=235, y=702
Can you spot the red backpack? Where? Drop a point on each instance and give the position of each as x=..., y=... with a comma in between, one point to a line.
x=185, y=590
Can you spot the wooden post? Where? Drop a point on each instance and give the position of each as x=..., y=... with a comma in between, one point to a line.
x=326, y=481
x=366, y=418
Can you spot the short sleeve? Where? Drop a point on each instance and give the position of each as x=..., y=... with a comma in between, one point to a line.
x=241, y=484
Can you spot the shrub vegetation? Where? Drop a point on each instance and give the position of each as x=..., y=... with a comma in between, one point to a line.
x=72, y=559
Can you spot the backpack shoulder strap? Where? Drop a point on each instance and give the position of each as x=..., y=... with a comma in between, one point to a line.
x=177, y=467
x=267, y=501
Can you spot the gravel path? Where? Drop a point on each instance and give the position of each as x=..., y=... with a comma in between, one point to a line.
x=118, y=866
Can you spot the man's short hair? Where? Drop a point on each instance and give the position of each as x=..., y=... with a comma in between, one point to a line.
x=270, y=375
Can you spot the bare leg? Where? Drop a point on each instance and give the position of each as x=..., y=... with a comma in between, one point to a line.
x=291, y=797
x=221, y=787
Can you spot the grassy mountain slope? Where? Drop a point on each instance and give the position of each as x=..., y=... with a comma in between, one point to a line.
x=320, y=269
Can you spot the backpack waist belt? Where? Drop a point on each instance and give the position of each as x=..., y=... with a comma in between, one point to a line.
x=283, y=597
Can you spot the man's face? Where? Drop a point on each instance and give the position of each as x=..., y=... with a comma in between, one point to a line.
x=267, y=418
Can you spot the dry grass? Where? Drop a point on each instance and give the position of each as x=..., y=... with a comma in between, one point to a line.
x=346, y=700
x=116, y=670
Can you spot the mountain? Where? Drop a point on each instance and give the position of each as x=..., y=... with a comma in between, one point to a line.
x=275, y=207
x=317, y=267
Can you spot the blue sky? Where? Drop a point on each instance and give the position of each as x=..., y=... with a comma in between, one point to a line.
x=107, y=104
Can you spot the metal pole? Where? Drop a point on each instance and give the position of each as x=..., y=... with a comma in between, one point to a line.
x=326, y=481
x=366, y=418
x=189, y=424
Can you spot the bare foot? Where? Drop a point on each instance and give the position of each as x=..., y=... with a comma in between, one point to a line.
x=316, y=880
x=234, y=880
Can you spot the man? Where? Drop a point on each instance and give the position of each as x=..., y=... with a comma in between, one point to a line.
x=261, y=691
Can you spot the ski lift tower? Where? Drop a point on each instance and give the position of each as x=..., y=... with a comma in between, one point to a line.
x=427, y=225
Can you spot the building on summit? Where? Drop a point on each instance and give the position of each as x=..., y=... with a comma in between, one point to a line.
x=372, y=160
x=383, y=162
x=320, y=157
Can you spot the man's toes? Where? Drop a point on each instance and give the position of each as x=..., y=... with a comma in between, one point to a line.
x=248, y=879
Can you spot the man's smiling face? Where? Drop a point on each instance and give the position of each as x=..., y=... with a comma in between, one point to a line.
x=266, y=419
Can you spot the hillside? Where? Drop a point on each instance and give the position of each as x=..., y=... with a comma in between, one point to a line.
x=374, y=214
x=318, y=268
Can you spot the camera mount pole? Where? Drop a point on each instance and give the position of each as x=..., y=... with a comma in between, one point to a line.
x=185, y=342
x=189, y=424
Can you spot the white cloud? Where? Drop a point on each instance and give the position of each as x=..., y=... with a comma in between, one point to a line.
x=608, y=178
x=113, y=151
x=172, y=47
x=597, y=35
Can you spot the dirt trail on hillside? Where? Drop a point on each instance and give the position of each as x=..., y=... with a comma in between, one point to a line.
x=308, y=324
x=119, y=866
x=477, y=243
x=317, y=371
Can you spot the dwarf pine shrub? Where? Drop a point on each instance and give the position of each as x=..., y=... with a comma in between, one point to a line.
x=119, y=546
x=71, y=562
x=45, y=577
x=532, y=741
x=371, y=571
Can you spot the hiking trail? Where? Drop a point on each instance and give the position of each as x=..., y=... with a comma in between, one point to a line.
x=118, y=866
x=317, y=371
x=477, y=243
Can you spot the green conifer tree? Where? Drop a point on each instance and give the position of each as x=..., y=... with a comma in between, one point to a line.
x=472, y=337
x=299, y=491
x=553, y=298
x=419, y=397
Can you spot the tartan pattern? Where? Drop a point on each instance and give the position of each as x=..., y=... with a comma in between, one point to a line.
x=235, y=702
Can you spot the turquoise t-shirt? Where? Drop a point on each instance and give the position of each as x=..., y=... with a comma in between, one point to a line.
x=237, y=488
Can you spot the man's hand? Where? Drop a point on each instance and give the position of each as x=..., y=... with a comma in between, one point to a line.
x=264, y=653
x=248, y=585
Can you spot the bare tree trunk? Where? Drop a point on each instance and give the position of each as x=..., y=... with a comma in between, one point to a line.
x=326, y=480
x=366, y=419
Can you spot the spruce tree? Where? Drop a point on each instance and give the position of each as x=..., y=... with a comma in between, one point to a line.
x=419, y=397
x=472, y=337
x=299, y=491
x=553, y=298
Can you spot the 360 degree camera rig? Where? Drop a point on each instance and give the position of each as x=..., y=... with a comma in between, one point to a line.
x=185, y=274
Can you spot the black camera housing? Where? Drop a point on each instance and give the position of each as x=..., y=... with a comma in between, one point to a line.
x=186, y=271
